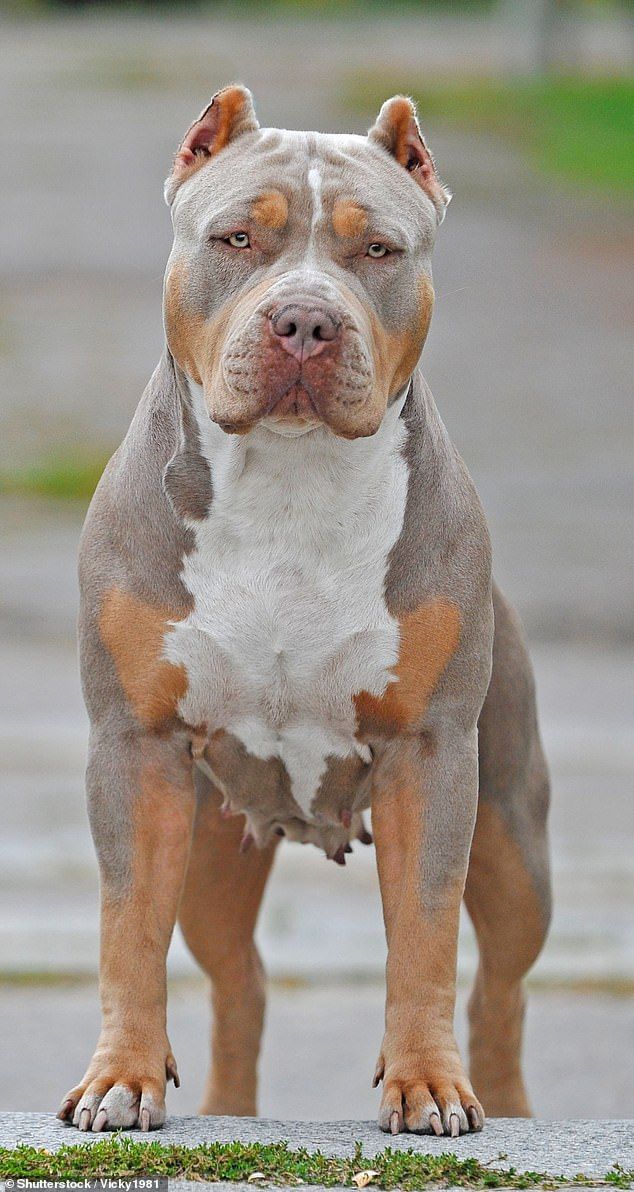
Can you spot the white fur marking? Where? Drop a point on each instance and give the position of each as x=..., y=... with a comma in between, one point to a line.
x=289, y=619
x=314, y=181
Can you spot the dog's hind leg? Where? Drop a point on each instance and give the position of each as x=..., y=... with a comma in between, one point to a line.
x=508, y=889
x=218, y=914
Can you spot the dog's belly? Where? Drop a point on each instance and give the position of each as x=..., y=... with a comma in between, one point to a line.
x=274, y=658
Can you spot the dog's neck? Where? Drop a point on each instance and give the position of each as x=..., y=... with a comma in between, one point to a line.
x=323, y=470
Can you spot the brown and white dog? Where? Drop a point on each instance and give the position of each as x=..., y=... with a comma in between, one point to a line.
x=287, y=616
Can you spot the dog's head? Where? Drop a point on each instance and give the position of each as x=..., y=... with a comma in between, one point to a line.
x=299, y=286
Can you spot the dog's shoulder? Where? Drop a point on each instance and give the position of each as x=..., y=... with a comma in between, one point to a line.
x=444, y=544
x=438, y=582
x=131, y=526
x=131, y=550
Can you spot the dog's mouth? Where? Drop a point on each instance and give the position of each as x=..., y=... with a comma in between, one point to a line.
x=289, y=427
x=293, y=414
x=263, y=383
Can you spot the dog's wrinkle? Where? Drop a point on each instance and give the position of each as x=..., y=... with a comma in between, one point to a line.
x=313, y=397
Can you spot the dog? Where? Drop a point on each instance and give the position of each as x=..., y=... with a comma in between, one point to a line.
x=288, y=618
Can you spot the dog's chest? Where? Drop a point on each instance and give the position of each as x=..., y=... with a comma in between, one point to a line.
x=289, y=619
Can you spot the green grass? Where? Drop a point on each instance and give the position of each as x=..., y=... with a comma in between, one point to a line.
x=579, y=129
x=119, y=1157
x=73, y=477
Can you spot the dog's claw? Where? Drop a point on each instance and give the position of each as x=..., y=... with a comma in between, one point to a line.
x=436, y=1124
x=144, y=1121
x=474, y=1119
x=454, y=1125
x=100, y=1122
x=246, y=842
x=64, y=1111
x=395, y=1122
x=84, y=1120
x=339, y=857
x=172, y=1072
x=364, y=836
x=378, y=1074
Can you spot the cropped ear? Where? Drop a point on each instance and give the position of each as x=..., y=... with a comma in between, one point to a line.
x=229, y=114
x=397, y=130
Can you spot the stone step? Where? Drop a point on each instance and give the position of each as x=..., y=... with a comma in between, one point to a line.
x=562, y=1148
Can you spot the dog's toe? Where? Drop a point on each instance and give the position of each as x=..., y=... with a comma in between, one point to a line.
x=429, y=1107
x=120, y=1095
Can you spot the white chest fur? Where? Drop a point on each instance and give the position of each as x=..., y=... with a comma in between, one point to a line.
x=287, y=576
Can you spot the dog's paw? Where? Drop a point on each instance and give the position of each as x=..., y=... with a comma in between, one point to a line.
x=120, y=1092
x=426, y=1098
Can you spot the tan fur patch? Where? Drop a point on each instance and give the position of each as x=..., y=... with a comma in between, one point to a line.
x=511, y=924
x=418, y=1053
x=162, y=825
x=218, y=913
x=136, y=926
x=270, y=209
x=429, y=639
x=133, y=632
x=396, y=355
x=220, y=120
x=401, y=117
x=231, y=102
x=183, y=329
x=497, y=867
x=197, y=343
x=349, y=218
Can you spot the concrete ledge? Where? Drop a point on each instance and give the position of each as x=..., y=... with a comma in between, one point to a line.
x=559, y=1148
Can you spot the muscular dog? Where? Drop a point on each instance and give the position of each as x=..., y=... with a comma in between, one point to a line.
x=287, y=618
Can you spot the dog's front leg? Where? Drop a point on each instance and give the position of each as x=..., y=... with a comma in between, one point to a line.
x=423, y=812
x=141, y=804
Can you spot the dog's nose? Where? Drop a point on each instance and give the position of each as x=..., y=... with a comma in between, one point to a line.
x=303, y=329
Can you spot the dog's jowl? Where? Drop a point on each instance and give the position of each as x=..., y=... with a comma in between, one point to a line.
x=288, y=620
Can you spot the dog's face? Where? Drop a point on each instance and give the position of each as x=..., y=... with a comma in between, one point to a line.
x=299, y=286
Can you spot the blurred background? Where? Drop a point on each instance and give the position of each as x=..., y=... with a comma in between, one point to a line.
x=528, y=107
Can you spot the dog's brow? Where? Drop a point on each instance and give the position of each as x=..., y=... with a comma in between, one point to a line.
x=405, y=236
x=229, y=213
x=349, y=218
x=270, y=209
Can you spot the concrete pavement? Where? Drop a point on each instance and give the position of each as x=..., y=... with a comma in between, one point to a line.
x=563, y=1148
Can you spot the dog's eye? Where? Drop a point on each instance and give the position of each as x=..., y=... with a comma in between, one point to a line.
x=377, y=250
x=238, y=240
